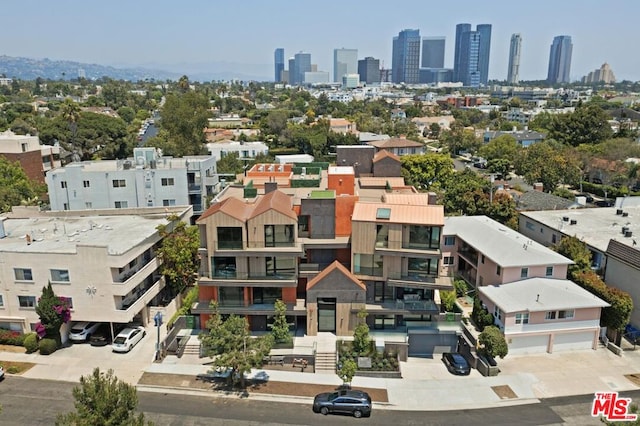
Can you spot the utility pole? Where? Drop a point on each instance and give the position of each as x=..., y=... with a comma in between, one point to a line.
x=157, y=321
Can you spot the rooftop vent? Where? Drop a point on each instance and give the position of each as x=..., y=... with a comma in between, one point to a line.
x=573, y=222
x=618, y=212
x=628, y=234
x=565, y=218
x=625, y=214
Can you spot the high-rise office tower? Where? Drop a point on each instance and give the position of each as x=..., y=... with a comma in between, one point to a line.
x=369, y=70
x=405, y=58
x=345, y=61
x=472, y=53
x=513, y=73
x=560, y=60
x=432, y=52
x=292, y=70
x=278, y=60
x=302, y=64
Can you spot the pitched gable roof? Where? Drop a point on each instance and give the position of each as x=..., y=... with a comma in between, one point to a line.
x=339, y=268
x=380, y=155
x=395, y=143
x=231, y=206
x=624, y=252
x=275, y=200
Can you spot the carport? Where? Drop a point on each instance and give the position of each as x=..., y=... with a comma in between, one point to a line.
x=427, y=342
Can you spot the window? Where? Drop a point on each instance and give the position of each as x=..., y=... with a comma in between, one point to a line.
x=382, y=235
x=498, y=270
x=63, y=184
x=422, y=267
x=133, y=263
x=549, y=271
x=27, y=301
x=1, y=301
x=524, y=272
x=368, y=264
x=280, y=267
x=383, y=213
x=25, y=146
x=554, y=239
x=551, y=315
x=449, y=241
x=23, y=274
x=447, y=260
x=482, y=259
x=278, y=235
x=88, y=205
x=229, y=237
x=423, y=237
x=224, y=267
x=167, y=182
x=86, y=184
x=68, y=301
x=565, y=314
x=522, y=318
x=497, y=313
x=119, y=183
x=529, y=226
x=170, y=202
x=60, y=275
x=121, y=204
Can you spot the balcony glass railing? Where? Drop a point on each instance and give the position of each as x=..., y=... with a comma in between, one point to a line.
x=416, y=276
x=367, y=270
x=229, y=245
x=232, y=275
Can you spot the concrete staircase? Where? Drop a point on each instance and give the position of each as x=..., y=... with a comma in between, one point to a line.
x=326, y=353
x=192, y=346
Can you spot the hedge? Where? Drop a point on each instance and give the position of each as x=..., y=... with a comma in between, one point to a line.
x=8, y=337
x=305, y=183
x=47, y=346
x=31, y=342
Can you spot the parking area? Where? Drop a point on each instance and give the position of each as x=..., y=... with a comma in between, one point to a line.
x=430, y=369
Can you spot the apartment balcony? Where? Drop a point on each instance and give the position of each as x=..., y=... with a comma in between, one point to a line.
x=246, y=308
x=399, y=307
x=470, y=255
x=227, y=278
x=194, y=188
x=239, y=248
x=130, y=306
x=422, y=280
x=400, y=248
x=127, y=281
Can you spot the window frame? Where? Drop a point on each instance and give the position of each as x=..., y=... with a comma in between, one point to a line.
x=524, y=272
x=53, y=280
x=522, y=318
x=23, y=279
x=119, y=183
x=548, y=271
x=22, y=298
x=167, y=181
x=449, y=239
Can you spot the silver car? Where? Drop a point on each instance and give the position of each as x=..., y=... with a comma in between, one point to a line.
x=128, y=338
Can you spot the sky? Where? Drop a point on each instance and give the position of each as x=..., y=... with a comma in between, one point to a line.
x=240, y=36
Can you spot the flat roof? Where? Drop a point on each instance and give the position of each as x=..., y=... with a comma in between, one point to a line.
x=62, y=235
x=501, y=244
x=594, y=226
x=541, y=294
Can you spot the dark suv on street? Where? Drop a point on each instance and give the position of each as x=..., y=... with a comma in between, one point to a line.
x=456, y=363
x=354, y=402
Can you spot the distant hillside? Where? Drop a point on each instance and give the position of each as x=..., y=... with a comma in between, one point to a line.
x=30, y=69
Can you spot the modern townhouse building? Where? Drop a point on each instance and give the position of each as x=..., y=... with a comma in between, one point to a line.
x=34, y=158
x=146, y=180
x=105, y=263
x=485, y=252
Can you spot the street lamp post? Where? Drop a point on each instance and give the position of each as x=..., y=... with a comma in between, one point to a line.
x=157, y=321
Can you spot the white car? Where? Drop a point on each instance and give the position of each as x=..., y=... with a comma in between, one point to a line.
x=1, y=373
x=128, y=338
x=82, y=331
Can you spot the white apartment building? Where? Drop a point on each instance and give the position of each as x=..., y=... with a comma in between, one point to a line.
x=245, y=150
x=105, y=264
x=146, y=180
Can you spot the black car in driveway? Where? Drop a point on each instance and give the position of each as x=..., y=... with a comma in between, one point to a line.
x=354, y=402
x=102, y=336
x=456, y=363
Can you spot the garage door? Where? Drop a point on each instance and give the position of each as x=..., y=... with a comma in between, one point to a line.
x=528, y=344
x=573, y=341
x=427, y=344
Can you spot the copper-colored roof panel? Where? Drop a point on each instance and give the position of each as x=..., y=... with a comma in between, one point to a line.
x=398, y=213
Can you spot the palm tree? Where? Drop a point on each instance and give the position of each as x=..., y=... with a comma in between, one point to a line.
x=71, y=113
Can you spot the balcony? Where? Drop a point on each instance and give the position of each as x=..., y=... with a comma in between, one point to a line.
x=253, y=248
x=403, y=248
x=134, y=303
x=122, y=288
x=194, y=187
x=246, y=308
x=229, y=278
x=399, y=307
x=369, y=271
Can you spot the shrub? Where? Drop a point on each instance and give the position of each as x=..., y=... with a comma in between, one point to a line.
x=9, y=337
x=460, y=287
x=492, y=342
x=480, y=316
x=185, y=309
x=13, y=370
x=448, y=299
x=31, y=342
x=47, y=346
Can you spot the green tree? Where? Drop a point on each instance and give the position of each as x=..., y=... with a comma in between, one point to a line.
x=280, y=328
x=361, y=340
x=128, y=114
x=179, y=253
x=448, y=300
x=588, y=124
x=549, y=164
x=53, y=311
x=479, y=315
x=70, y=112
x=576, y=250
x=230, y=344
x=103, y=400
x=492, y=342
x=184, y=117
x=347, y=370
x=15, y=186
x=230, y=164
x=503, y=147
x=427, y=171
x=500, y=166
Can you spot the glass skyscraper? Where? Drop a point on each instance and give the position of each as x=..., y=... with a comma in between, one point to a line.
x=472, y=53
x=405, y=58
x=560, y=60
x=345, y=61
x=432, y=52
x=513, y=73
x=278, y=60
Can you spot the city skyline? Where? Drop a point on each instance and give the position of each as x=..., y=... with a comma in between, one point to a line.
x=152, y=35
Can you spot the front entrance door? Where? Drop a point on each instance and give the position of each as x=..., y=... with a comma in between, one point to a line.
x=327, y=314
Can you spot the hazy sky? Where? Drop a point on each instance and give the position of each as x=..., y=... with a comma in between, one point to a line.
x=162, y=32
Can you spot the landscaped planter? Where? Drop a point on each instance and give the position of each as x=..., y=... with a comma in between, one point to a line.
x=382, y=364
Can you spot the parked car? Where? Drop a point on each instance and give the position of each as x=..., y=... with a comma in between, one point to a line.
x=354, y=402
x=1, y=373
x=456, y=363
x=102, y=336
x=82, y=331
x=604, y=203
x=128, y=338
x=588, y=197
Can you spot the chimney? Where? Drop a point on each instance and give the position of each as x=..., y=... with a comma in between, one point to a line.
x=270, y=187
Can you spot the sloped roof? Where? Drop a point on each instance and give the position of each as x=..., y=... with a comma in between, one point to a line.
x=416, y=199
x=395, y=143
x=275, y=200
x=624, y=252
x=541, y=294
x=501, y=244
x=335, y=266
x=231, y=206
x=370, y=181
x=380, y=155
x=400, y=213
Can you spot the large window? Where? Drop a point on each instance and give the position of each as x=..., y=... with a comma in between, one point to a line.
x=278, y=235
x=422, y=267
x=223, y=267
x=23, y=274
x=382, y=292
x=229, y=237
x=522, y=318
x=423, y=237
x=266, y=295
x=450, y=240
x=119, y=183
x=27, y=301
x=368, y=264
x=280, y=267
x=382, y=235
x=60, y=275
x=167, y=182
x=551, y=315
x=231, y=296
